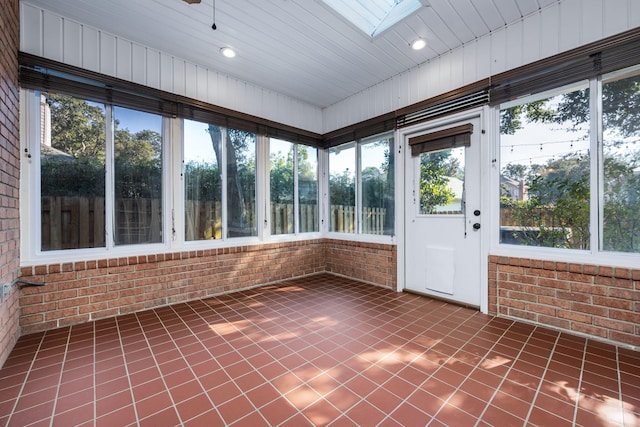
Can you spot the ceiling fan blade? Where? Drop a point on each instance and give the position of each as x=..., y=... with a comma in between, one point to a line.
x=192, y=1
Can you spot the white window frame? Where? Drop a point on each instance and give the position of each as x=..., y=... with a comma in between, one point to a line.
x=30, y=202
x=296, y=235
x=594, y=255
x=358, y=236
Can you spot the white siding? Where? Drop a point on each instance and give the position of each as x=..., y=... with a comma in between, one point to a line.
x=55, y=37
x=551, y=30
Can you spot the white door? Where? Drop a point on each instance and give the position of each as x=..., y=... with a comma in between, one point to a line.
x=443, y=217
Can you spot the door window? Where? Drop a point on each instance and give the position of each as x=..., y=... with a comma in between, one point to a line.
x=442, y=182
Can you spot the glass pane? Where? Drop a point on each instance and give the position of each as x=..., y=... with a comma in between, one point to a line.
x=342, y=188
x=281, y=184
x=544, y=164
x=202, y=181
x=442, y=182
x=137, y=177
x=72, y=173
x=241, y=183
x=620, y=214
x=308, y=189
x=377, y=186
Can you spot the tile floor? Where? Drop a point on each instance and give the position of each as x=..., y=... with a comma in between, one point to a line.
x=322, y=350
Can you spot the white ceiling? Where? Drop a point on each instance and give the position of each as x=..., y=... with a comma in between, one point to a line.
x=300, y=48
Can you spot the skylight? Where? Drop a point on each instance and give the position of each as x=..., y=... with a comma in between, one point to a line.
x=374, y=16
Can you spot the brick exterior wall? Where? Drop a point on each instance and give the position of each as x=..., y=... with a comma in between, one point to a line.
x=9, y=173
x=83, y=291
x=600, y=301
x=370, y=262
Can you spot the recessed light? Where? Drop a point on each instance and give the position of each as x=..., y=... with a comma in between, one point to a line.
x=418, y=43
x=227, y=52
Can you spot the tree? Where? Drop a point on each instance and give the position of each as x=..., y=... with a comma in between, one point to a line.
x=561, y=187
x=343, y=189
x=240, y=167
x=282, y=177
x=78, y=127
x=435, y=170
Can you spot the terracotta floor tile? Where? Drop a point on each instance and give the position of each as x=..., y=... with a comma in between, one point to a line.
x=468, y=403
x=76, y=416
x=498, y=417
x=167, y=417
x=153, y=404
x=224, y=393
x=343, y=398
x=235, y=409
x=191, y=408
x=321, y=350
x=365, y=414
x=76, y=400
x=205, y=419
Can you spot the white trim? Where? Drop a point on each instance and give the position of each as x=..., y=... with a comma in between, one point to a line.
x=177, y=182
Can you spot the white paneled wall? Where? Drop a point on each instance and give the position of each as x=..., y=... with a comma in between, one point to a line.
x=556, y=28
x=55, y=37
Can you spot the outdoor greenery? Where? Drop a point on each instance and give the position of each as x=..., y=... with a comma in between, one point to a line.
x=377, y=184
x=556, y=212
x=76, y=165
x=435, y=170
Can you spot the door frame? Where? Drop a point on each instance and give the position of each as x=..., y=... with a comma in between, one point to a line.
x=486, y=166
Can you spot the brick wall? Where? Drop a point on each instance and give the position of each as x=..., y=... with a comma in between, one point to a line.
x=83, y=291
x=9, y=173
x=370, y=262
x=601, y=301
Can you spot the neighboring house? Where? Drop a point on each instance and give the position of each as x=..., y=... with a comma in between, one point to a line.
x=516, y=190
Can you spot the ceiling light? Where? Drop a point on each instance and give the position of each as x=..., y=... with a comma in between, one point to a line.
x=418, y=43
x=227, y=52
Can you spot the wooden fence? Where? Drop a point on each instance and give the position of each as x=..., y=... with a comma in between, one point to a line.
x=79, y=222
x=343, y=219
x=72, y=222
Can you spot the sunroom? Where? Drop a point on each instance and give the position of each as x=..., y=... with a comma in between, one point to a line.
x=328, y=226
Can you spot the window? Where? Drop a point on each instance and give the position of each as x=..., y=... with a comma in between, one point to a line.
x=72, y=173
x=74, y=156
x=377, y=183
x=208, y=163
x=342, y=188
x=281, y=179
x=293, y=188
x=442, y=182
x=547, y=166
x=240, y=151
x=620, y=164
x=361, y=187
x=137, y=177
x=202, y=181
x=307, y=167
x=545, y=169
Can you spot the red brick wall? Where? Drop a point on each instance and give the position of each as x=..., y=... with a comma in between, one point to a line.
x=83, y=291
x=370, y=262
x=9, y=173
x=600, y=301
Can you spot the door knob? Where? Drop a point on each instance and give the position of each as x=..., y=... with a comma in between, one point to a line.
x=476, y=212
x=476, y=226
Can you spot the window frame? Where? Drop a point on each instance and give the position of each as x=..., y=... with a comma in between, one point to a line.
x=178, y=213
x=595, y=254
x=30, y=192
x=358, y=235
x=296, y=234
